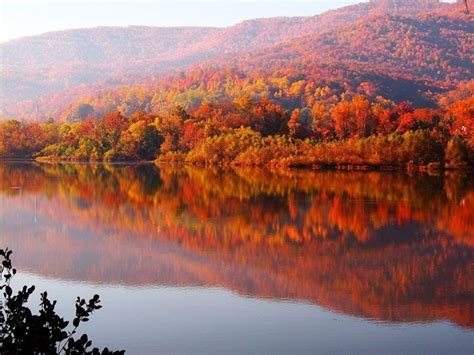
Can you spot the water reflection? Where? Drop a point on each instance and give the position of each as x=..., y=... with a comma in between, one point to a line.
x=384, y=246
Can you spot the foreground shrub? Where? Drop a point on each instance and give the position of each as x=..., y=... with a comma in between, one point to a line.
x=22, y=332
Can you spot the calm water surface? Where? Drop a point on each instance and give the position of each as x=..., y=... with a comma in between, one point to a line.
x=191, y=260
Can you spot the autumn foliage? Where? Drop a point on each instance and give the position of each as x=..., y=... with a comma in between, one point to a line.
x=387, y=84
x=249, y=132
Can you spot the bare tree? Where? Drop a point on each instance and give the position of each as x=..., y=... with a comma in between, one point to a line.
x=467, y=7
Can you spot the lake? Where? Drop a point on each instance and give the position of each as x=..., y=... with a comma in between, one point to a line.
x=210, y=261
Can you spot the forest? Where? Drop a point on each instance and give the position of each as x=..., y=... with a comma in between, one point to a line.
x=377, y=49
x=353, y=132
x=383, y=88
x=112, y=54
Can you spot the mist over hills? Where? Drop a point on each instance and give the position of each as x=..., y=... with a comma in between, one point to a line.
x=354, y=44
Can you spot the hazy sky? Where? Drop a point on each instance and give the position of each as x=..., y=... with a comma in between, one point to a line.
x=20, y=18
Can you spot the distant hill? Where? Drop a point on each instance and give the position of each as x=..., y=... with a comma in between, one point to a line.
x=405, y=58
x=52, y=62
x=400, y=58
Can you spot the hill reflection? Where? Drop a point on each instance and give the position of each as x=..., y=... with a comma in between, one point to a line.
x=378, y=245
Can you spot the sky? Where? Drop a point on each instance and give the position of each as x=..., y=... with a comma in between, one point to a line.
x=19, y=18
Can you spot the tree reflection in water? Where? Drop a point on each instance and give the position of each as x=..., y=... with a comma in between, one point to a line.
x=379, y=245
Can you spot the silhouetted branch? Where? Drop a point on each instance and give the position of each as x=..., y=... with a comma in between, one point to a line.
x=22, y=332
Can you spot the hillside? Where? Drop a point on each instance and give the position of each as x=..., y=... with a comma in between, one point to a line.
x=52, y=62
x=416, y=59
x=400, y=58
x=334, y=99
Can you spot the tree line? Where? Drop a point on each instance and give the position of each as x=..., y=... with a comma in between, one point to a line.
x=355, y=131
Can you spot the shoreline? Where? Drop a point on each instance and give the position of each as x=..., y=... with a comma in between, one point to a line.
x=430, y=168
